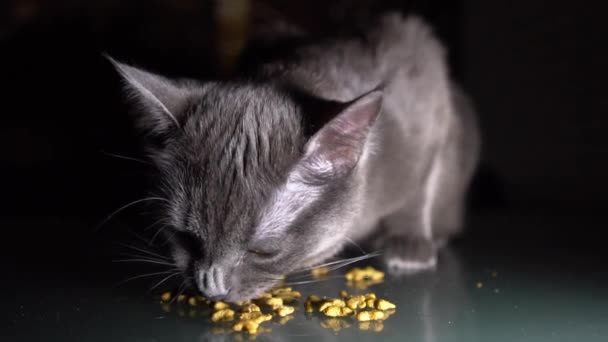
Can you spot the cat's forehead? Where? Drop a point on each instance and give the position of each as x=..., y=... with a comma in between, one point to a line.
x=236, y=145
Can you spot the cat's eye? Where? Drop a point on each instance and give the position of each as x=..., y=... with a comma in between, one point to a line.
x=265, y=248
x=263, y=254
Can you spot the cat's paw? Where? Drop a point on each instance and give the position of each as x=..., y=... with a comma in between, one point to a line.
x=409, y=255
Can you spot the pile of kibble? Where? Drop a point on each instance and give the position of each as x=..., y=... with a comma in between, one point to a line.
x=249, y=316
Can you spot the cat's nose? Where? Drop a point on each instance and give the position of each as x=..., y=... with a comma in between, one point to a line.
x=212, y=283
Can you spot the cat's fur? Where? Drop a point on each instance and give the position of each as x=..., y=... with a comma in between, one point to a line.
x=362, y=138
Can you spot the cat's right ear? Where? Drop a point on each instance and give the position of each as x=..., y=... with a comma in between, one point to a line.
x=161, y=100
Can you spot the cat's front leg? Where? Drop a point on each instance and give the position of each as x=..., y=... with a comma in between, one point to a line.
x=406, y=244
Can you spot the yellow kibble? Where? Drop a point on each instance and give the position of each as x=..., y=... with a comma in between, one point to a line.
x=370, y=303
x=314, y=298
x=356, y=302
x=319, y=272
x=332, y=311
x=274, y=302
x=285, y=310
x=165, y=296
x=250, y=308
x=309, y=307
x=255, y=316
x=252, y=327
x=223, y=315
x=371, y=315
x=332, y=302
x=344, y=294
x=370, y=296
x=181, y=298
x=382, y=304
x=479, y=285
x=281, y=290
x=358, y=274
x=192, y=301
x=346, y=311
x=220, y=306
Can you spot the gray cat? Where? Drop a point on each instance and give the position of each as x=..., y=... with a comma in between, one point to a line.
x=361, y=138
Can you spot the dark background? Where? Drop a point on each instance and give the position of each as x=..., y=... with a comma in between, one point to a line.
x=536, y=70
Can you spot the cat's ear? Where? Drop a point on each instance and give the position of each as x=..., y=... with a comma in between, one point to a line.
x=161, y=100
x=334, y=150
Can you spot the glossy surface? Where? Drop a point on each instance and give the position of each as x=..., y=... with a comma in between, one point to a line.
x=489, y=286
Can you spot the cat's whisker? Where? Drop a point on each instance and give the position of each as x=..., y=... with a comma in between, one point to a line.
x=145, y=251
x=348, y=260
x=117, y=211
x=164, y=280
x=118, y=156
x=146, y=261
x=143, y=257
x=312, y=281
x=352, y=242
x=145, y=275
x=158, y=231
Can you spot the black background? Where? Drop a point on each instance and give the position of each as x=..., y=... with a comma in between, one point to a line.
x=536, y=69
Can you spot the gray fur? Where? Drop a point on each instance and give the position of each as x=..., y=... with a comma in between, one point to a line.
x=360, y=137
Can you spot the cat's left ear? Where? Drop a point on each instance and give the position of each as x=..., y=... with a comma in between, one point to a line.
x=162, y=101
x=334, y=150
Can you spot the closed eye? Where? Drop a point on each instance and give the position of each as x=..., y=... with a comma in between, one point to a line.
x=262, y=254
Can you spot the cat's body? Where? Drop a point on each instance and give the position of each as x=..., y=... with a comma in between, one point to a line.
x=362, y=138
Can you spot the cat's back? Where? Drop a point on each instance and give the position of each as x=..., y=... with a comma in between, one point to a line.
x=345, y=66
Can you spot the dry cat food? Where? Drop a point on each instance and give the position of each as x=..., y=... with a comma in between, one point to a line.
x=350, y=305
x=249, y=316
x=319, y=272
x=367, y=273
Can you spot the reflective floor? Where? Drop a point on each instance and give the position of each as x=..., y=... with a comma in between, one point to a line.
x=508, y=283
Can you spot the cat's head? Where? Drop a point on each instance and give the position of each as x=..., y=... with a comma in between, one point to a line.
x=252, y=188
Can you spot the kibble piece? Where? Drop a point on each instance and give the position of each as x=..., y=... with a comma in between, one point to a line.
x=346, y=311
x=358, y=274
x=371, y=315
x=356, y=302
x=344, y=294
x=332, y=302
x=220, y=306
x=382, y=304
x=255, y=316
x=165, y=296
x=314, y=298
x=285, y=310
x=274, y=302
x=250, y=308
x=332, y=311
x=223, y=315
x=370, y=303
x=181, y=298
x=192, y=301
x=319, y=272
